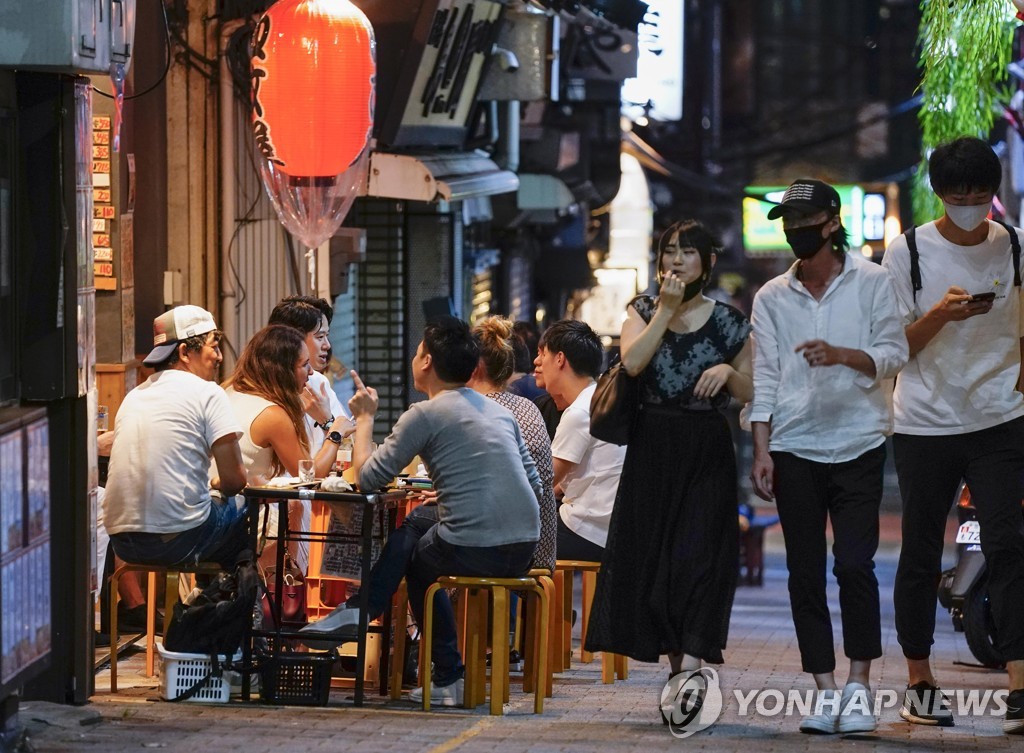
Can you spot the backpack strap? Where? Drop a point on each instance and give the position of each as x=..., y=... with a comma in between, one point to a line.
x=1015, y=246
x=915, y=261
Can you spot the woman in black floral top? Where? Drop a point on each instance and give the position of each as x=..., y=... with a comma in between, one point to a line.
x=669, y=571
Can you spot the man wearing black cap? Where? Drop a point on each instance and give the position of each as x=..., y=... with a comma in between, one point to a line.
x=158, y=506
x=827, y=343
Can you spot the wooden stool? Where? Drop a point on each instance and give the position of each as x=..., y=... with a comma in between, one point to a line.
x=170, y=598
x=531, y=639
x=401, y=635
x=612, y=665
x=476, y=638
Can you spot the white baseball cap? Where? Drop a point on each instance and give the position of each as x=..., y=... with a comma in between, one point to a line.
x=173, y=326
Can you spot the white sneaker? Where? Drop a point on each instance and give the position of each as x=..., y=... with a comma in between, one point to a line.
x=441, y=695
x=826, y=713
x=856, y=713
x=340, y=626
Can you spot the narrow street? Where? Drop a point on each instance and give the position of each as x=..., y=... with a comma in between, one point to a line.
x=583, y=715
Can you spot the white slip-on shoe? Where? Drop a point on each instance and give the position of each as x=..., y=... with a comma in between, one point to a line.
x=441, y=695
x=340, y=626
x=855, y=710
x=826, y=711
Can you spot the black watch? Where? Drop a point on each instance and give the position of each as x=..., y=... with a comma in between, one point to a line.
x=334, y=436
x=326, y=425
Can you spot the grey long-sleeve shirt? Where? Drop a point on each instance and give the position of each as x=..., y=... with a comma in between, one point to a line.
x=488, y=486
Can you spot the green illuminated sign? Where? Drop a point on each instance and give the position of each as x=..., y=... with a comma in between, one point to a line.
x=764, y=237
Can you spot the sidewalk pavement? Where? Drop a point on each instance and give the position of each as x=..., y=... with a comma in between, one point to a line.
x=583, y=715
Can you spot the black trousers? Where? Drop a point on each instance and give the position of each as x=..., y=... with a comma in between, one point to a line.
x=808, y=494
x=991, y=461
x=571, y=546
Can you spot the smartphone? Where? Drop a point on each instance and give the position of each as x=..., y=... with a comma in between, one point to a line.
x=986, y=297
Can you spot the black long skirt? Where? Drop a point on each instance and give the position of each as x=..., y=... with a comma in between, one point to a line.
x=669, y=571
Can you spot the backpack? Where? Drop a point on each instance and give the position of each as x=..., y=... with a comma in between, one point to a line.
x=915, y=264
x=217, y=620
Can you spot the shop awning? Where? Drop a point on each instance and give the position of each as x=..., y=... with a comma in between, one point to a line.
x=437, y=177
x=538, y=191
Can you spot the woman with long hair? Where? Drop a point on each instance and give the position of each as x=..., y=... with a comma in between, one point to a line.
x=669, y=570
x=265, y=391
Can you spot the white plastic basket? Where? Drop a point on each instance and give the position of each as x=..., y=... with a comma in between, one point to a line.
x=180, y=671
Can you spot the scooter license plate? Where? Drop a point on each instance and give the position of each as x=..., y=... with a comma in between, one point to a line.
x=969, y=532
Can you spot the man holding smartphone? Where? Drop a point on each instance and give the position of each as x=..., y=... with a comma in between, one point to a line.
x=959, y=414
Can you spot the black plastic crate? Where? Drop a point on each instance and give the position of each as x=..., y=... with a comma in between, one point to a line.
x=294, y=679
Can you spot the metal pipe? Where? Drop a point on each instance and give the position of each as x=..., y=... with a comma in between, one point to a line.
x=228, y=317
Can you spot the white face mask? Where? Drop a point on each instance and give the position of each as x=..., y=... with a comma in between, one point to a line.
x=967, y=218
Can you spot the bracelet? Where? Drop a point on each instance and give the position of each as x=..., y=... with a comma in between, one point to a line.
x=326, y=425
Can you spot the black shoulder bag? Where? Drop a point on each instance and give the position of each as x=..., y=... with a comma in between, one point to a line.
x=614, y=406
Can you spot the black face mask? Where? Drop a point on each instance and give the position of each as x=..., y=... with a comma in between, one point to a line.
x=692, y=289
x=805, y=241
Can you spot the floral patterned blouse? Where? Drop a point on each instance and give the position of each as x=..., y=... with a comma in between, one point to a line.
x=681, y=358
x=535, y=435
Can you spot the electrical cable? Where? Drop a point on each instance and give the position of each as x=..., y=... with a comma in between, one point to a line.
x=167, y=63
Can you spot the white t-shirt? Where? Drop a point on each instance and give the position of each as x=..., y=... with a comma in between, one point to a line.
x=160, y=461
x=590, y=487
x=317, y=437
x=965, y=378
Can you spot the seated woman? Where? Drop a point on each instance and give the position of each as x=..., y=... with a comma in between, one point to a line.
x=496, y=338
x=264, y=392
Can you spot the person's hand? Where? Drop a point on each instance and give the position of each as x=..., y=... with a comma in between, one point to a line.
x=712, y=381
x=957, y=305
x=671, y=293
x=762, y=476
x=317, y=406
x=104, y=442
x=425, y=496
x=365, y=401
x=820, y=353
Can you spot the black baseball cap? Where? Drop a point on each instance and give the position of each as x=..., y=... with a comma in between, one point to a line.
x=806, y=196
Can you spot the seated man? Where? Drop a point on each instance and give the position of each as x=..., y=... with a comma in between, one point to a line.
x=486, y=521
x=586, y=469
x=158, y=507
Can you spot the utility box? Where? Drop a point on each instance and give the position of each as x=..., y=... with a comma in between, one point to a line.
x=66, y=36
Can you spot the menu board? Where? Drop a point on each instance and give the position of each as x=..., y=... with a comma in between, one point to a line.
x=343, y=559
x=26, y=635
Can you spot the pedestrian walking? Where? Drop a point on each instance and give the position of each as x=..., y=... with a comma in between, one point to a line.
x=827, y=343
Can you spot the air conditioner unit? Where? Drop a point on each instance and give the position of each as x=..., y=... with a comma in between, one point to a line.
x=66, y=36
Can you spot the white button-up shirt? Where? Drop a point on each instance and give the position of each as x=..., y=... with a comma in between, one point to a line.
x=827, y=414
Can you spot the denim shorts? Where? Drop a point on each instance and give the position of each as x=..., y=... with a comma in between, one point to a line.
x=219, y=539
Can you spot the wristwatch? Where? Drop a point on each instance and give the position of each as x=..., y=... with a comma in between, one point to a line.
x=326, y=425
x=334, y=436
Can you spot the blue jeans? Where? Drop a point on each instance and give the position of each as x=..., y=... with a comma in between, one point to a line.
x=218, y=539
x=416, y=552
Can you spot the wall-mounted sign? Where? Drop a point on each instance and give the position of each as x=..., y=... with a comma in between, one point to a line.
x=659, y=67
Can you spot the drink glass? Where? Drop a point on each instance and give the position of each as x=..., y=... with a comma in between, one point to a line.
x=307, y=473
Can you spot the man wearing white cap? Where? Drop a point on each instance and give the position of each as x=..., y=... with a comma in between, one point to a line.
x=159, y=507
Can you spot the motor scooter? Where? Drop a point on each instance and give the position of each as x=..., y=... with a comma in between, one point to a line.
x=963, y=589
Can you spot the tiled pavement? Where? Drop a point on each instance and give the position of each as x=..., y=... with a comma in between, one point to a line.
x=584, y=715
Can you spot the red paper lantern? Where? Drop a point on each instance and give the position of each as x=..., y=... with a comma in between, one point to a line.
x=313, y=74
